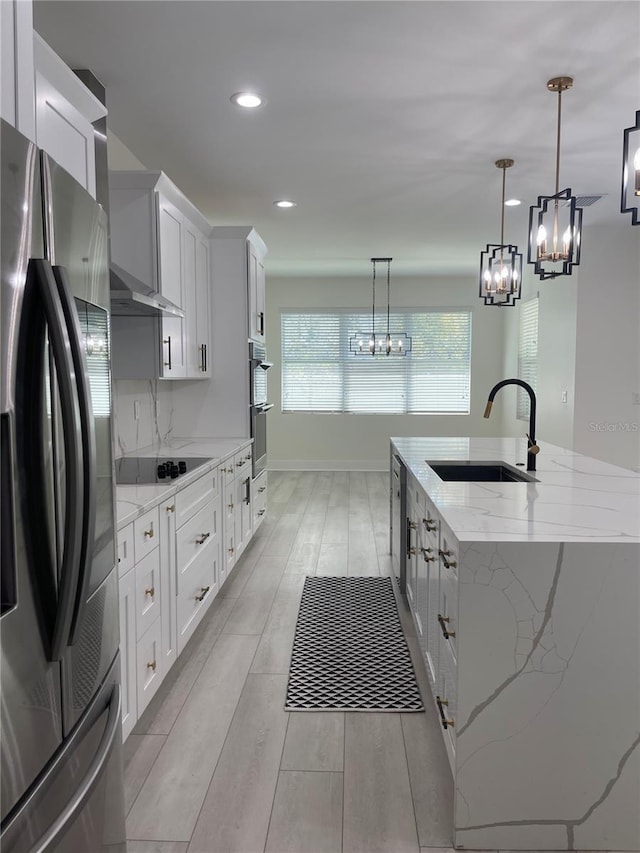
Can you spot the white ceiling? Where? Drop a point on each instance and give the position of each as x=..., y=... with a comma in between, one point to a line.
x=383, y=120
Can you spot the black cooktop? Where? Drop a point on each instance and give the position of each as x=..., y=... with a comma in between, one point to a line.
x=149, y=470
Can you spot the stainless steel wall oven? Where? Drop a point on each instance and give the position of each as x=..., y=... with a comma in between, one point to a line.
x=258, y=404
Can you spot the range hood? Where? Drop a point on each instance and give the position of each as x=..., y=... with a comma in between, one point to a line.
x=132, y=297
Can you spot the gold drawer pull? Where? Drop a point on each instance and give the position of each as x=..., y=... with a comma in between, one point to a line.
x=430, y=524
x=152, y=666
x=230, y=506
x=448, y=564
x=444, y=620
x=203, y=591
x=149, y=533
x=445, y=722
x=230, y=550
x=426, y=551
x=171, y=508
x=150, y=591
x=262, y=489
x=411, y=551
x=202, y=538
x=261, y=512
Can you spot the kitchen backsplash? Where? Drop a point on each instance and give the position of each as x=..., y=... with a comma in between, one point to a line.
x=151, y=401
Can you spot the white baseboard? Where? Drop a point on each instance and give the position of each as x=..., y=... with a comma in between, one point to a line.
x=327, y=465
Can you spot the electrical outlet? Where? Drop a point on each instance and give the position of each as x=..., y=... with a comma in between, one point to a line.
x=136, y=410
x=564, y=396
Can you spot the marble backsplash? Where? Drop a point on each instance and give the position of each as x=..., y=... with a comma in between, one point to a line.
x=155, y=409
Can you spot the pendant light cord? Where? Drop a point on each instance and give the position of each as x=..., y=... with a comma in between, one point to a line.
x=373, y=307
x=504, y=182
x=558, y=142
x=388, y=295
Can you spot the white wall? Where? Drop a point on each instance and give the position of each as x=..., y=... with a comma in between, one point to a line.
x=606, y=420
x=588, y=345
x=362, y=441
x=556, y=358
x=154, y=398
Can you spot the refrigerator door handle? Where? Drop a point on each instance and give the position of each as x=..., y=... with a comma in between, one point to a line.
x=62, y=354
x=87, y=432
x=49, y=840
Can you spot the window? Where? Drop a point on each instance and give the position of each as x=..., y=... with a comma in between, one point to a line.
x=527, y=354
x=319, y=374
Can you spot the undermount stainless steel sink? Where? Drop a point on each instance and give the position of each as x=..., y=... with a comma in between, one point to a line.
x=479, y=472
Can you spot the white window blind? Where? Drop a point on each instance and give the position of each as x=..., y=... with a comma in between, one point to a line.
x=320, y=374
x=527, y=354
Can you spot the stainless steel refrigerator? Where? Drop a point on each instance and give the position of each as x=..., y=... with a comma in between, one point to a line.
x=61, y=744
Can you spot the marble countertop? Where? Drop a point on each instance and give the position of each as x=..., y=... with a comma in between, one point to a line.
x=576, y=498
x=134, y=501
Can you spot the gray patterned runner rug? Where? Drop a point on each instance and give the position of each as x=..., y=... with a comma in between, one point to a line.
x=349, y=651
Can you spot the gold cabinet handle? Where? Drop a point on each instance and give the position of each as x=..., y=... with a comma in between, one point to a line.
x=203, y=591
x=261, y=512
x=230, y=550
x=202, y=538
x=151, y=591
x=448, y=564
x=411, y=524
x=262, y=489
x=149, y=533
x=152, y=665
x=441, y=703
x=411, y=551
x=223, y=470
x=230, y=506
x=171, y=508
x=444, y=621
x=427, y=559
x=430, y=524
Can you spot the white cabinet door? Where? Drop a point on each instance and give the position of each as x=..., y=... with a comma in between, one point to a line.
x=196, y=291
x=256, y=285
x=168, y=584
x=170, y=284
x=203, y=309
x=17, y=101
x=128, y=651
x=65, y=110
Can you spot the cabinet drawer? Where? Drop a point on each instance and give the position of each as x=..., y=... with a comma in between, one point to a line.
x=147, y=591
x=145, y=534
x=448, y=552
x=126, y=559
x=448, y=692
x=199, y=588
x=190, y=500
x=149, y=659
x=259, y=498
x=242, y=462
x=448, y=612
x=196, y=542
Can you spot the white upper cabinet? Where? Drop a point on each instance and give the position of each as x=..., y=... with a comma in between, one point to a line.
x=256, y=286
x=65, y=110
x=160, y=238
x=17, y=76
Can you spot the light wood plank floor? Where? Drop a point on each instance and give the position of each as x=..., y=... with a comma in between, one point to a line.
x=215, y=765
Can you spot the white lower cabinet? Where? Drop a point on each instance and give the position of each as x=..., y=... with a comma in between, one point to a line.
x=172, y=561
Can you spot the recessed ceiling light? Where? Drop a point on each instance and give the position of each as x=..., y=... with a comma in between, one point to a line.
x=512, y=202
x=284, y=202
x=249, y=100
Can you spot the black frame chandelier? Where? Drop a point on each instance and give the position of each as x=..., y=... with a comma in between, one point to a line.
x=555, y=223
x=630, y=199
x=501, y=263
x=397, y=343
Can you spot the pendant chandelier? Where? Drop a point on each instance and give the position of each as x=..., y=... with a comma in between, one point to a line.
x=555, y=223
x=396, y=343
x=630, y=201
x=501, y=263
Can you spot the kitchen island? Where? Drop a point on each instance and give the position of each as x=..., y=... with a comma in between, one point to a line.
x=526, y=601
